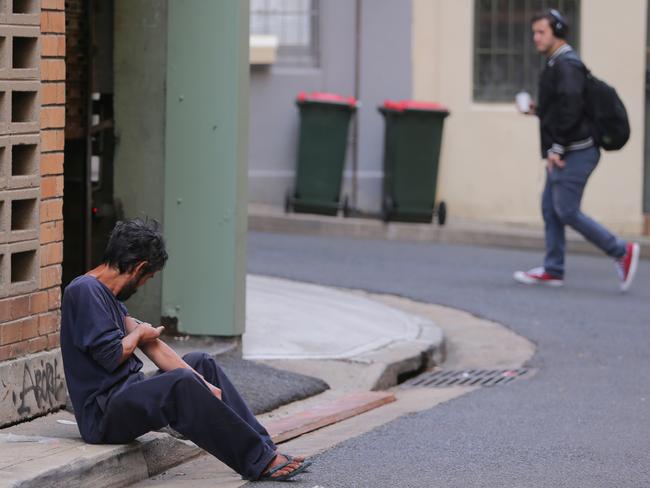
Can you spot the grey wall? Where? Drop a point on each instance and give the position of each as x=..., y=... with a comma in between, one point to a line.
x=385, y=72
x=273, y=113
x=140, y=71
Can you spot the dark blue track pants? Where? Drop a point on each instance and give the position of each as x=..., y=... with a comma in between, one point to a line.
x=225, y=428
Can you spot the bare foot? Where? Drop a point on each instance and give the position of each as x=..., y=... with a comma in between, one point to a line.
x=280, y=459
x=299, y=459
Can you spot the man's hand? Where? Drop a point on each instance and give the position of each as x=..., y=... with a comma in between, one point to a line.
x=148, y=333
x=532, y=109
x=130, y=323
x=137, y=334
x=553, y=160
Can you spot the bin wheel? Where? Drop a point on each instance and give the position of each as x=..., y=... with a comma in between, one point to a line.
x=346, y=207
x=288, y=204
x=386, y=207
x=442, y=213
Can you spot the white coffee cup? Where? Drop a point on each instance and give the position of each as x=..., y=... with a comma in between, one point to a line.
x=523, y=100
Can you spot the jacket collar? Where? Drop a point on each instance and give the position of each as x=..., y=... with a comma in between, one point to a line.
x=565, y=48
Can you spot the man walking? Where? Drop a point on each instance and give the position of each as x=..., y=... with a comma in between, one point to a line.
x=114, y=403
x=571, y=156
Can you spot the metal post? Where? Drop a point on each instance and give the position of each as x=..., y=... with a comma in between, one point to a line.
x=206, y=156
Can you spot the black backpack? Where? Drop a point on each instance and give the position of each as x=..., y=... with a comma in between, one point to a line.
x=607, y=114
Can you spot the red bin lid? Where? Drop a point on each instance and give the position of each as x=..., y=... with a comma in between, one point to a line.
x=402, y=105
x=325, y=97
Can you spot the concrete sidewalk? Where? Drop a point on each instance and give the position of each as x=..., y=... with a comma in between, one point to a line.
x=299, y=325
x=264, y=218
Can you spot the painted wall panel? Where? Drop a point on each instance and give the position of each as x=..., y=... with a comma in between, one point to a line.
x=206, y=138
x=491, y=169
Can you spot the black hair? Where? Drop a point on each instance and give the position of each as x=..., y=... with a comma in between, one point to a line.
x=556, y=21
x=134, y=241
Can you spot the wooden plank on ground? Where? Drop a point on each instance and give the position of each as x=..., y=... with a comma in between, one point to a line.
x=329, y=413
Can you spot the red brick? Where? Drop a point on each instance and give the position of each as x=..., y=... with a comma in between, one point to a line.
x=53, y=4
x=10, y=332
x=52, y=164
x=37, y=344
x=52, y=209
x=53, y=46
x=53, y=22
x=53, y=340
x=51, y=254
x=52, y=117
x=29, y=328
x=50, y=276
x=53, y=93
x=19, y=330
x=18, y=349
x=51, y=187
x=48, y=323
x=5, y=310
x=39, y=302
x=5, y=353
x=51, y=232
x=52, y=140
x=54, y=298
x=19, y=307
x=52, y=69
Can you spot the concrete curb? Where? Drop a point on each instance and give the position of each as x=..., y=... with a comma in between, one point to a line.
x=377, y=369
x=266, y=219
x=408, y=358
x=109, y=466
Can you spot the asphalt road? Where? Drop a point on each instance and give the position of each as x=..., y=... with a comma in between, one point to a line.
x=582, y=421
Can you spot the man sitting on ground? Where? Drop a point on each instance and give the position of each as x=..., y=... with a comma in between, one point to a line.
x=113, y=401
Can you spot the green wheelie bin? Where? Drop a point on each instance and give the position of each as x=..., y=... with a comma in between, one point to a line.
x=322, y=145
x=413, y=136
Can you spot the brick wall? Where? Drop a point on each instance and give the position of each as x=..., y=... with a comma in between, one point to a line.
x=32, y=123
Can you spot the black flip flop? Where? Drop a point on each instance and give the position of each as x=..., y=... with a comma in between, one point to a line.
x=306, y=462
x=268, y=476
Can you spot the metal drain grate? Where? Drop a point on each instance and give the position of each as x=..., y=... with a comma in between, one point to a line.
x=471, y=377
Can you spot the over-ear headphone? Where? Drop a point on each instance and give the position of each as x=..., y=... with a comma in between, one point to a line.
x=558, y=24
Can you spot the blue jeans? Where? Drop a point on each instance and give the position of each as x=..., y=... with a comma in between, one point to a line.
x=561, y=206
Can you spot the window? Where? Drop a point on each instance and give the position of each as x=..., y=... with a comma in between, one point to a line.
x=505, y=59
x=295, y=23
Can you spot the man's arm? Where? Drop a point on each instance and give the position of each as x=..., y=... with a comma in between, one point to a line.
x=160, y=353
x=570, y=87
x=139, y=336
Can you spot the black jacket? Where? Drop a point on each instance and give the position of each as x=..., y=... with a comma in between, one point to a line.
x=562, y=120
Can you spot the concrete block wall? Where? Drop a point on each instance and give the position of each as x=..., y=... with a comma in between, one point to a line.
x=32, y=121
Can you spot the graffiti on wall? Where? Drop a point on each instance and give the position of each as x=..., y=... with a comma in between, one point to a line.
x=42, y=385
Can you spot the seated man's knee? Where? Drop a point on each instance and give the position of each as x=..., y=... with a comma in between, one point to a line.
x=183, y=376
x=195, y=359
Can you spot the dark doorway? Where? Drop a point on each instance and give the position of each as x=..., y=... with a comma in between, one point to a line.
x=88, y=207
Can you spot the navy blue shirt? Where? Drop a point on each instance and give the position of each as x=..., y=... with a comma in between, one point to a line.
x=92, y=329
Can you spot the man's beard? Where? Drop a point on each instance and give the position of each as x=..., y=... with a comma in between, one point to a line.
x=129, y=289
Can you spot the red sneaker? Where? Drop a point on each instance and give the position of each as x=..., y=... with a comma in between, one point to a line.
x=537, y=276
x=626, y=266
